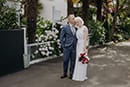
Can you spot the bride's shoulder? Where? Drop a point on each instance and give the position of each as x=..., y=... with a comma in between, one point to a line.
x=85, y=28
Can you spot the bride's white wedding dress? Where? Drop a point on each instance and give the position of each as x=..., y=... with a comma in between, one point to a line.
x=80, y=71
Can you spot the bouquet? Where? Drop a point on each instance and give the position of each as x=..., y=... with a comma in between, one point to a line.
x=83, y=58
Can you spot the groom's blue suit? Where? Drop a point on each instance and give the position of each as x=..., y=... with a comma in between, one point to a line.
x=68, y=42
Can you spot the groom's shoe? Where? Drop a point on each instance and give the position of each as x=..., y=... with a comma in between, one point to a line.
x=70, y=77
x=64, y=76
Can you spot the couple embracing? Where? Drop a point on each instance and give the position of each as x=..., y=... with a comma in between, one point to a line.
x=74, y=40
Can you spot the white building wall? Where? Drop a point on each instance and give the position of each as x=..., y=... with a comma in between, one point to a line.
x=54, y=9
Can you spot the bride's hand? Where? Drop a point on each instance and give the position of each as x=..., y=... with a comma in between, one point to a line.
x=85, y=50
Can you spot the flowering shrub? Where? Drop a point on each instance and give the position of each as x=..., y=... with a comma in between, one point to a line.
x=8, y=16
x=49, y=36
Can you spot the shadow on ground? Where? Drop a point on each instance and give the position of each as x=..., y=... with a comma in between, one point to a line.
x=109, y=67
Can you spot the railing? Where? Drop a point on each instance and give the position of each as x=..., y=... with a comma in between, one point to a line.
x=30, y=56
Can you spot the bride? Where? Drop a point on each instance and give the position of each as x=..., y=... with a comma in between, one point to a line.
x=80, y=71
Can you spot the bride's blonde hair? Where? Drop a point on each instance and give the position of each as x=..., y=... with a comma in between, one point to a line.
x=79, y=18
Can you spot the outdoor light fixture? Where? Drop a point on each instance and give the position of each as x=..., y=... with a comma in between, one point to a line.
x=76, y=3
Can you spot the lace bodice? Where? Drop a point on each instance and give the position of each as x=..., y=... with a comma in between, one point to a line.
x=80, y=34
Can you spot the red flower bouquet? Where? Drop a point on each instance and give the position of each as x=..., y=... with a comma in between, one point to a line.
x=83, y=58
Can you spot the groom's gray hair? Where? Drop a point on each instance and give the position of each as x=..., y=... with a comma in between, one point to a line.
x=79, y=18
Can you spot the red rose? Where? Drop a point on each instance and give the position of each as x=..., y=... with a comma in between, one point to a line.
x=83, y=58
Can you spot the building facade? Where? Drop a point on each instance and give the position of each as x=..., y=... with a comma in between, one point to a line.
x=53, y=9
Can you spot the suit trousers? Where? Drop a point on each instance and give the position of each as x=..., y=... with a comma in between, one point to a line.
x=69, y=56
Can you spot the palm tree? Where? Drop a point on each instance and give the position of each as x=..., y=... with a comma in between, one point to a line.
x=99, y=9
x=70, y=7
x=31, y=14
x=85, y=8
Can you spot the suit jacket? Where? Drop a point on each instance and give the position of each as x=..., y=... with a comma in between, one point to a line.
x=67, y=38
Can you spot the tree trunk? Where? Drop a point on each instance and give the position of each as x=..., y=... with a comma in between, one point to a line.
x=70, y=8
x=99, y=9
x=114, y=19
x=85, y=10
x=31, y=14
x=108, y=25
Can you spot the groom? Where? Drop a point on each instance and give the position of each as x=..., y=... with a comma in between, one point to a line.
x=68, y=43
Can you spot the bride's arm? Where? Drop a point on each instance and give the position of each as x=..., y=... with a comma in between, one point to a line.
x=85, y=38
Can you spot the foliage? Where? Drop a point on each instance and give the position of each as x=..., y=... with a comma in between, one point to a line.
x=8, y=16
x=117, y=37
x=78, y=12
x=92, y=12
x=23, y=18
x=122, y=31
x=115, y=21
x=97, y=32
x=125, y=26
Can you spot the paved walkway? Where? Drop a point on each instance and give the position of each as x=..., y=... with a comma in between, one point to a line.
x=109, y=67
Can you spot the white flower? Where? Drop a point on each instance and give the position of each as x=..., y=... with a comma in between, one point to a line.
x=51, y=48
x=52, y=42
x=46, y=31
x=50, y=52
x=43, y=49
x=42, y=26
x=39, y=39
x=50, y=37
x=56, y=36
x=45, y=25
x=58, y=40
x=49, y=32
x=43, y=53
x=42, y=36
x=47, y=54
x=33, y=56
x=40, y=49
x=48, y=43
x=42, y=41
x=59, y=46
x=46, y=38
x=36, y=52
x=36, y=40
x=56, y=31
x=53, y=28
x=41, y=45
x=36, y=35
x=61, y=27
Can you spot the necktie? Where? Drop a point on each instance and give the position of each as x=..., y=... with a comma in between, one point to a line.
x=73, y=29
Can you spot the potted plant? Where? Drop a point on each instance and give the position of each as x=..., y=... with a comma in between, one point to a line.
x=11, y=40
